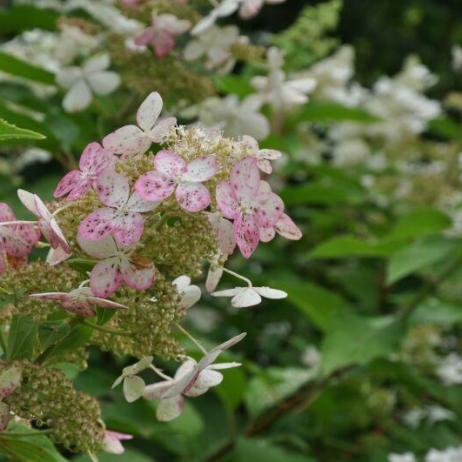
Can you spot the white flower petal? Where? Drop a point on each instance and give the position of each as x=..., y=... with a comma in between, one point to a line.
x=268, y=292
x=245, y=298
x=133, y=388
x=103, y=83
x=78, y=97
x=149, y=111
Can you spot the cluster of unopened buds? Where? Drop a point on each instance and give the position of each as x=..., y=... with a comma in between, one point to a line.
x=225, y=189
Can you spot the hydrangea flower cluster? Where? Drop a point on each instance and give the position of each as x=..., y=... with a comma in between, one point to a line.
x=144, y=211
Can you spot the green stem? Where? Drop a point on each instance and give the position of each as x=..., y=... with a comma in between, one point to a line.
x=106, y=330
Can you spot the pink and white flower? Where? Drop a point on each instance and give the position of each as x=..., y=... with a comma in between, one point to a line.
x=94, y=160
x=122, y=215
x=79, y=301
x=191, y=379
x=10, y=379
x=250, y=203
x=46, y=220
x=16, y=240
x=161, y=34
x=263, y=156
x=285, y=227
x=131, y=139
x=112, y=442
x=174, y=174
x=118, y=265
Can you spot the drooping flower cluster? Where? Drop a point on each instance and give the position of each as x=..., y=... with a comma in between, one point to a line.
x=144, y=211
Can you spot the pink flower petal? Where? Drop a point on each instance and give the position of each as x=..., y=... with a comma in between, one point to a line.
x=146, y=37
x=113, y=189
x=169, y=164
x=80, y=189
x=154, y=186
x=270, y=209
x=138, y=278
x=193, y=197
x=21, y=240
x=95, y=158
x=54, y=235
x=267, y=234
x=128, y=140
x=265, y=166
x=201, y=169
x=245, y=179
x=128, y=229
x=164, y=43
x=287, y=228
x=149, y=111
x=160, y=131
x=6, y=214
x=224, y=234
x=68, y=183
x=227, y=200
x=57, y=256
x=246, y=233
x=105, y=278
x=28, y=200
x=97, y=225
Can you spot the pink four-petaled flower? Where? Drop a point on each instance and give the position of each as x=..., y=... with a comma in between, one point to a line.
x=112, y=442
x=94, y=160
x=47, y=222
x=122, y=215
x=285, y=227
x=79, y=301
x=16, y=240
x=117, y=265
x=174, y=174
x=250, y=203
x=131, y=139
x=162, y=32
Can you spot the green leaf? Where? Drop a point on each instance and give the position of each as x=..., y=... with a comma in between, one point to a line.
x=419, y=254
x=12, y=65
x=357, y=340
x=28, y=448
x=272, y=385
x=78, y=336
x=440, y=312
x=23, y=17
x=11, y=132
x=260, y=450
x=22, y=337
x=232, y=389
x=420, y=222
x=317, y=111
x=350, y=246
x=327, y=191
x=446, y=127
x=234, y=84
x=320, y=305
x=130, y=455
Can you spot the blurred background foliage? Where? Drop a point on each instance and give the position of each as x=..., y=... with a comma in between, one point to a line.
x=349, y=366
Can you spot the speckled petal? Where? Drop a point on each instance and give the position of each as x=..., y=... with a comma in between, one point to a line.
x=154, y=186
x=128, y=140
x=138, y=278
x=68, y=183
x=246, y=234
x=201, y=169
x=127, y=230
x=226, y=200
x=169, y=163
x=105, y=278
x=287, y=228
x=149, y=111
x=245, y=179
x=113, y=189
x=97, y=225
x=193, y=197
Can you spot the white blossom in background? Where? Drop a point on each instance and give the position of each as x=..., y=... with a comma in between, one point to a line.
x=278, y=90
x=456, y=58
x=451, y=454
x=450, y=369
x=311, y=357
x=32, y=156
x=247, y=9
x=82, y=82
x=244, y=297
x=237, y=117
x=215, y=44
x=350, y=151
x=73, y=42
x=406, y=457
x=431, y=414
